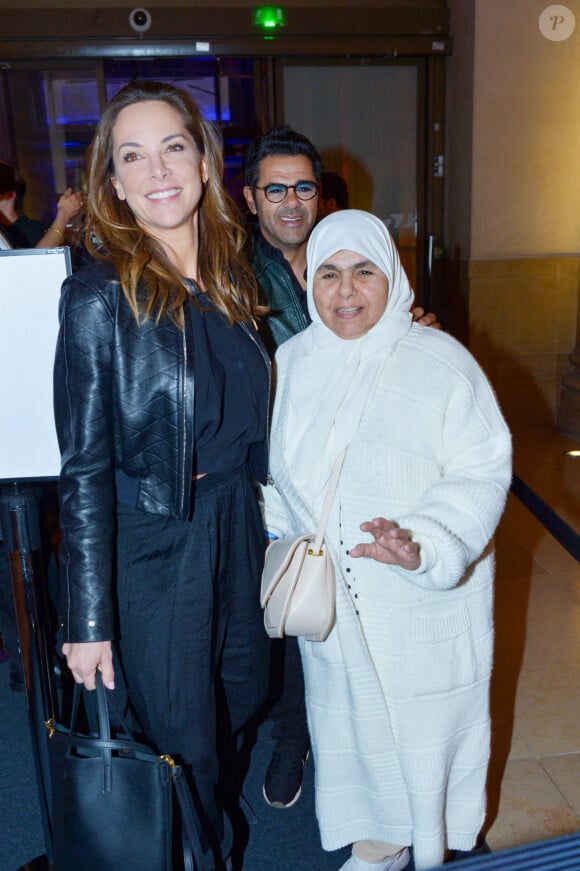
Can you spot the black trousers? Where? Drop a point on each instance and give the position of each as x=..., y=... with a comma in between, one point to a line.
x=191, y=630
x=288, y=711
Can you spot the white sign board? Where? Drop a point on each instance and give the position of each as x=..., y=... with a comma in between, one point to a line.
x=30, y=282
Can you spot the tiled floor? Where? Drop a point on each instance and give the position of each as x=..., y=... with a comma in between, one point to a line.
x=535, y=772
x=534, y=783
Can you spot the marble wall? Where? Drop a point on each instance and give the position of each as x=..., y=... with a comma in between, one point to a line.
x=522, y=328
x=512, y=192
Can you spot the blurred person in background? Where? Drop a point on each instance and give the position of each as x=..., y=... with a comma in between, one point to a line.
x=18, y=229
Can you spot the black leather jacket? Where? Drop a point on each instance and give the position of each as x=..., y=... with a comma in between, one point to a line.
x=123, y=399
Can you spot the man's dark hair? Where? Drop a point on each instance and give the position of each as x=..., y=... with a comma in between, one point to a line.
x=11, y=180
x=278, y=140
x=334, y=187
x=7, y=178
x=20, y=190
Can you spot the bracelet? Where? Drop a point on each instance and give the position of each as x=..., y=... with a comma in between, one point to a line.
x=56, y=230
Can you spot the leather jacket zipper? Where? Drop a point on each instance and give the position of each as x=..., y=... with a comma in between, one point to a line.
x=183, y=421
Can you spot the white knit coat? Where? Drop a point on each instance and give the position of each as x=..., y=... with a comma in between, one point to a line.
x=398, y=695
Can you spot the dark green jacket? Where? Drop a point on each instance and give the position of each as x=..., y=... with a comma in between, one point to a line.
x=286, y=316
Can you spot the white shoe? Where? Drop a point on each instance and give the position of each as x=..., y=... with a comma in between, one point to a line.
x=394, y=863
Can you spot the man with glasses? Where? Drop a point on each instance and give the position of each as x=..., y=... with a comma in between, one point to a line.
x=282, y=172
x=282, y=175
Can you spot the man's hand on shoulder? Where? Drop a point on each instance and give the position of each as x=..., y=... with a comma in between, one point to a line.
x=428, y=319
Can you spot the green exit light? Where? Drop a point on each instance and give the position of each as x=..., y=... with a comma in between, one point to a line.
x=269, y=17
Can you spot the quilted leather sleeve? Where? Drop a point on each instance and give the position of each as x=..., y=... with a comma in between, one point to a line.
x=83, y=414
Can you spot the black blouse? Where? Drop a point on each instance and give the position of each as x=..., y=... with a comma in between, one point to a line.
x=231, y=390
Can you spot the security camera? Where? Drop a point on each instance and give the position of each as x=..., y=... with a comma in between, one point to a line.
x=140, y=20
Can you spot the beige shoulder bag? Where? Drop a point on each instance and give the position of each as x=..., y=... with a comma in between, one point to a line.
x=298, y=581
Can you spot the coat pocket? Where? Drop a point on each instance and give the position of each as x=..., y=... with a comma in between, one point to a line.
x=439, y=656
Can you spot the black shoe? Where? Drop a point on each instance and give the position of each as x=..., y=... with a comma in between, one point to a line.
x=283, y=783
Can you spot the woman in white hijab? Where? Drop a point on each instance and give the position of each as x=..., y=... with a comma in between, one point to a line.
x=398, y=694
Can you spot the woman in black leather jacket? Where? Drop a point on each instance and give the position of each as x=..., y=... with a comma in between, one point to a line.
x=161, y=398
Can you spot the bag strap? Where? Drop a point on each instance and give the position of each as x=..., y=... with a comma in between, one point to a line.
x=328, y=500
x=106, y=746
x=104, y=704
x=192, y=852
x=74, y=708
x=102, y=707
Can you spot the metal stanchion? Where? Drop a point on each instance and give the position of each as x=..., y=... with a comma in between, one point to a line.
x=21, y=528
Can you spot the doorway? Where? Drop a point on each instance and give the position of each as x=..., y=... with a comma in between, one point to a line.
x=364, y=120
x=51, y=113
x=376, y=121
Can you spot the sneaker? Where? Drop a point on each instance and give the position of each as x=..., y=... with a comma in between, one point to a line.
x=394, y=863
x=283, y=783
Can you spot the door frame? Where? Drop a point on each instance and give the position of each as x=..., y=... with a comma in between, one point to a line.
x=430, y=157
x=358, y=36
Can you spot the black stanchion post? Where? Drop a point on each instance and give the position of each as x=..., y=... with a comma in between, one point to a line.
x=21, y=529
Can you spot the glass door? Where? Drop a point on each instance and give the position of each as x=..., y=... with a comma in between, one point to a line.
x=367, y=122
x=376, y=122
x=49, y=113
x=49, y=117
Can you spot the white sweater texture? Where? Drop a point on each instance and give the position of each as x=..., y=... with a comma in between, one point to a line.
x=398, y=695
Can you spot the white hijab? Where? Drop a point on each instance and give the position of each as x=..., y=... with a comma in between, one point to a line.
x=332, y=380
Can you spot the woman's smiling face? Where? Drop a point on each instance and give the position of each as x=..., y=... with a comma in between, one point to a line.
x=350, y=294
x=158, y=169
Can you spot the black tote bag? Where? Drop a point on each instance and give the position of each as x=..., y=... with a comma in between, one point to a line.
x=113, y=800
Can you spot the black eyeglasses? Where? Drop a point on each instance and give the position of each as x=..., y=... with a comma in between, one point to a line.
x=276, y=193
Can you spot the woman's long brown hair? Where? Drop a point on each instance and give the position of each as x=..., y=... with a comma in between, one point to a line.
x=151, y=283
